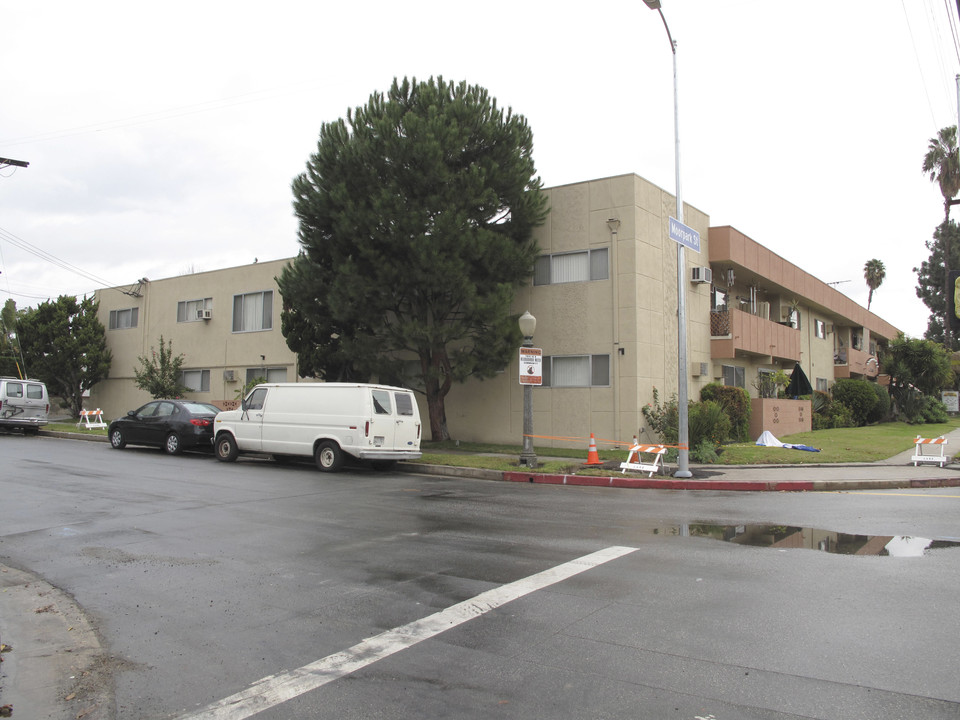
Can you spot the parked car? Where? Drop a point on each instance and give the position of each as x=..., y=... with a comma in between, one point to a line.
x=173, y=425
x=24, y=404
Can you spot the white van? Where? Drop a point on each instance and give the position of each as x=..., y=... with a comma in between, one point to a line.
x=326, y=421
x=24, y=404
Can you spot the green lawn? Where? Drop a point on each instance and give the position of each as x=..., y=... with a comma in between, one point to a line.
x=841, y=445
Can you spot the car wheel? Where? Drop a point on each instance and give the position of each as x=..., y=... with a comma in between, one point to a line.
x=329, y=456
x=172, y=444
x=226, y=448
x=117, y=441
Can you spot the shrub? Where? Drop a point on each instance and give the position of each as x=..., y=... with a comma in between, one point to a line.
x=881, y=413
x=735, y=402
x=707, y=423
x=933, y=410
x=858, y=395
x=829, y=414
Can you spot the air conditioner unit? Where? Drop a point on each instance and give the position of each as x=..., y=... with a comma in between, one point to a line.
x=701, y=275
x=700, y=369
x=207, y=314
x=228, y=376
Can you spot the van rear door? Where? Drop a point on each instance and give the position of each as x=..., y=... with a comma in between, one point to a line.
x=382, y=424
x=407, y=436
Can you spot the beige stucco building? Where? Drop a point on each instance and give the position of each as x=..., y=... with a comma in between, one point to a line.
x=604, y=294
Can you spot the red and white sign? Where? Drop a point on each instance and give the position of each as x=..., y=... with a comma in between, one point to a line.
x=531, y=366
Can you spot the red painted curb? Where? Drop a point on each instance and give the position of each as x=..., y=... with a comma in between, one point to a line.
x=659, y=483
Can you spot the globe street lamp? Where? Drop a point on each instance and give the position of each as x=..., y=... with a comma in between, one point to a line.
x=528, y=324
x=683, y=470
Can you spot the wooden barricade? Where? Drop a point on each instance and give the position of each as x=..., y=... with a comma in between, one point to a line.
x=937, y=443
x=91, y=419
x=638, y=462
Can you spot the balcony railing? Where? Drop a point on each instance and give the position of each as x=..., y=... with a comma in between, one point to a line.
x=734, y=330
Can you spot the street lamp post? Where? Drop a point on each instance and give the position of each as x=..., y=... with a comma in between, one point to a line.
x=528, y=324
x=683, y=461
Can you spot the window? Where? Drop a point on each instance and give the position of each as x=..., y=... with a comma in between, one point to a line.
x=255, y=399
x=35, y=392
x=381, y=402
x=576, y=371
x=123, y=319
x=253, y=311
x=572, y=267
x=735, y=376
x=14, y=390
x=196, y=380
x=271, y=375
x=822, y=385
x=856, y=339
x=193, y=310
x=820, y=329
x=404, y=403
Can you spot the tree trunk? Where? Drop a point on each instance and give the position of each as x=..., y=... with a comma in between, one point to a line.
x=435, y=364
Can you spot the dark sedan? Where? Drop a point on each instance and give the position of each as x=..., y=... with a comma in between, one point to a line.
x=173, y=425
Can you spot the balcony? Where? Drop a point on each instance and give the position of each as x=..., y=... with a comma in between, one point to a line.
x=734, y=331
x=848, y=362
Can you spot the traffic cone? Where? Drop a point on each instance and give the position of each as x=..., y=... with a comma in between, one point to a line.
x=593, y=459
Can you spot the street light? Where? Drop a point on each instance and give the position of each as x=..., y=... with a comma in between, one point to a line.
x=528, y=324
x=683, y=465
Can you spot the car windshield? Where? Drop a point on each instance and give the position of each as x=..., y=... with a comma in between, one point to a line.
x=200, y=409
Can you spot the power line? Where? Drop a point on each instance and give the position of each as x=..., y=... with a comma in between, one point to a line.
x=50, y=258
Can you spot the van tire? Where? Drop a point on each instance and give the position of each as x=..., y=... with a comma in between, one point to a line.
x=172, y=444
x=226, y=448
x=117, y=441
x=329, y=456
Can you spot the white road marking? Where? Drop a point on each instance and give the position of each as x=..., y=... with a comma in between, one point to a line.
x=276, y=689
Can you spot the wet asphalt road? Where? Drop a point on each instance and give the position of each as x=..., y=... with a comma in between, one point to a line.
x=203, y=578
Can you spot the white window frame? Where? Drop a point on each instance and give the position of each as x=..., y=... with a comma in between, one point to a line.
x=187, y=309
x=594, y=371
x=124, y=319
x=189, y=378
x=251, y=314
x=738, y=374
x=578, y=266
x=820, y=329
x=270, y=374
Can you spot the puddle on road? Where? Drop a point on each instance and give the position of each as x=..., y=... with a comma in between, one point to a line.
x=789, y=537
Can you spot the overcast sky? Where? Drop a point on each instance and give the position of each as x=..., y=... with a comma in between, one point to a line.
x=162, y=138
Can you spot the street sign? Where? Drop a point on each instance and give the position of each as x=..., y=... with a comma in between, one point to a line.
x=531, y=366
x=686, y=236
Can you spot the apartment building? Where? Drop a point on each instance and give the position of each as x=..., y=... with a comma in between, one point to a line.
x=604, y=293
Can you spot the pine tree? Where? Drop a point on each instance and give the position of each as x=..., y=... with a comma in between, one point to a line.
x=416, y=219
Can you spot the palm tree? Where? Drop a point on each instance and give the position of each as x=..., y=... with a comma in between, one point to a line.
x=874, y=273
x=942, y=164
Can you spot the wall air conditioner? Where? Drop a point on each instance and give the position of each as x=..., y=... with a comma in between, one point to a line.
x=228, y=376
x=700, y=369
x=701, y=275
x=207, y=314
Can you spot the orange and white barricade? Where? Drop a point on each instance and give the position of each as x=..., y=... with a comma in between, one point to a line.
x=931, y=457
x=637, y=462
x=91, y=419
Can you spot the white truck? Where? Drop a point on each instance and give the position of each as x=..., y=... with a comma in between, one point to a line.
x=327, y=421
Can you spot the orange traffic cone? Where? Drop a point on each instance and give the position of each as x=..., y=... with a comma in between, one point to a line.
x=592, y=457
